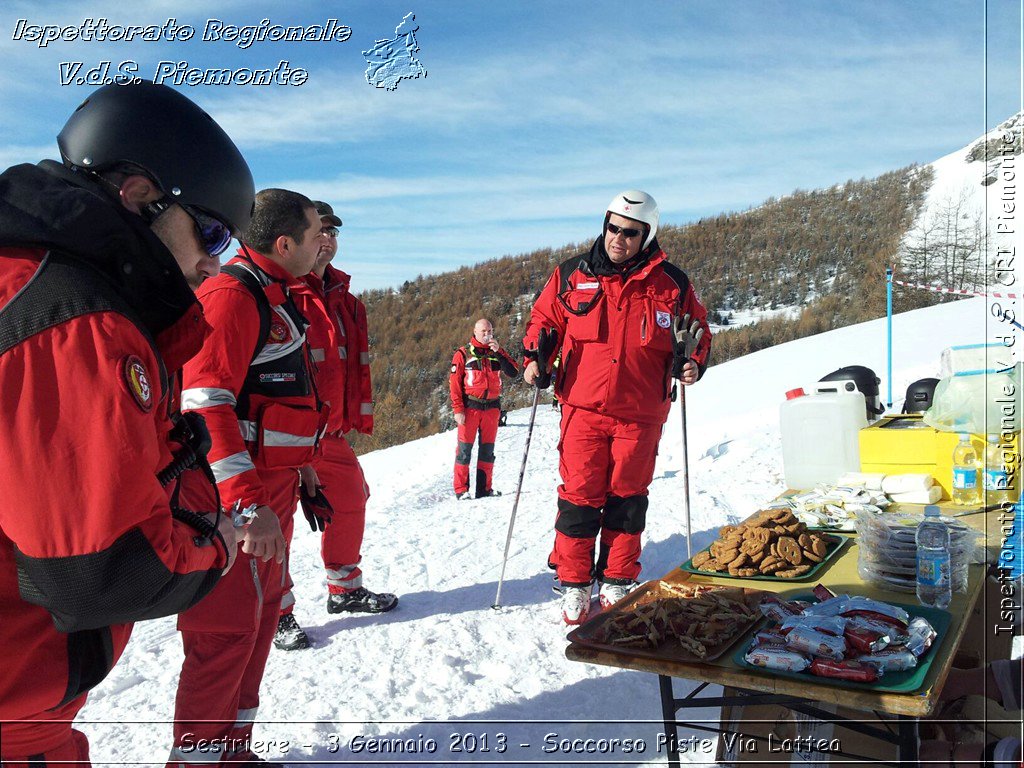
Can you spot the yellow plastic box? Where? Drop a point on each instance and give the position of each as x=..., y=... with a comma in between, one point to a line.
x=904, y=443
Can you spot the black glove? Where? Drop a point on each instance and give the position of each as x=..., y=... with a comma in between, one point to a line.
x=547, y=341
x=686, y=335
x=316, y=508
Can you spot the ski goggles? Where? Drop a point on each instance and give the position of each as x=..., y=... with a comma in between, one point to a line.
x=213, y=234
x=626, y=232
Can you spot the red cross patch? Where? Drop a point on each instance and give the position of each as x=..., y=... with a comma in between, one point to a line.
x=136, y=380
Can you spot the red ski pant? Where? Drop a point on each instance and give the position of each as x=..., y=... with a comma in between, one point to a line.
x=227, y=638
x=345, y=487
x=27, y=745
x=606, y=465
x=486, y=423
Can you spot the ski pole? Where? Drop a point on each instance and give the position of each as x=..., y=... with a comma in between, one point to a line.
x=515, y=504
x=686, y=335
x=686, y=469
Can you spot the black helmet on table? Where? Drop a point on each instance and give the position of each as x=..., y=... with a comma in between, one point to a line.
x=181, y=147
x=920, y=395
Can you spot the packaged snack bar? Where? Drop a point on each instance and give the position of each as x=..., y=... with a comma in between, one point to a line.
x=850, y=669
x=896, y=658
x=816, y=643
x=777, y=657
x=920, y=635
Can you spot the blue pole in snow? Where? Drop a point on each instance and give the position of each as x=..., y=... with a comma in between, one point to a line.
x=888, y=314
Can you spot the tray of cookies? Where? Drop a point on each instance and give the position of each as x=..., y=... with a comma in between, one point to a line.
x=674, y=621
x=771, y=545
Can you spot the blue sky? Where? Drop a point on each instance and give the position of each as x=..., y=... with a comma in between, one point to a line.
x=534, y=114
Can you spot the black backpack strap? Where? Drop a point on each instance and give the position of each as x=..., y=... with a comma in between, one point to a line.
x=252, y=282
x=61, y=289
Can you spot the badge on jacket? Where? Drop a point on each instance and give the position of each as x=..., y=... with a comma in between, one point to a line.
x=664, y=319
x=137, y=381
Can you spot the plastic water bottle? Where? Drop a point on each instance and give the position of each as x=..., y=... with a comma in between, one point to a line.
x=965, y=473
x=933, y=586
x=997, y=479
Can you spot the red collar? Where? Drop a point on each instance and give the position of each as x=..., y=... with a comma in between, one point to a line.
x=271, y=267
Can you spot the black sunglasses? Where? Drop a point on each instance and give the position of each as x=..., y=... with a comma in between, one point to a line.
x=626, y=232
x=213, y=234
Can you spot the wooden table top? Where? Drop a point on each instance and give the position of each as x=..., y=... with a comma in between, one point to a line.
x=841, y=577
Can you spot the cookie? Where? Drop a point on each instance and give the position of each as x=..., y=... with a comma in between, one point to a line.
x=789, y=550
x=743, y=572
x=701, y=559
x=809, y=554
x=804, y=540
x=819, y=546
x=792, y=573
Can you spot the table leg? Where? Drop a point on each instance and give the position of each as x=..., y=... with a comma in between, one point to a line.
x=668, y=713
x=909, y=741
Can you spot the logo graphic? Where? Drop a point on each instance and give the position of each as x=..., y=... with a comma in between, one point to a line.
x=663, y=319
x=392, y=61
x=278, y=333
x=137, y=381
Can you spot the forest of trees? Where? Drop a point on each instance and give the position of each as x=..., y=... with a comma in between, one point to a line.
x=821, y=252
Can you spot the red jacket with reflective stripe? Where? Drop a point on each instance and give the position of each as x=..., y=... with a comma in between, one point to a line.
x=339, y=347
x=476, y=372
x=249, y=430
x=80, y=447
x=615, y=334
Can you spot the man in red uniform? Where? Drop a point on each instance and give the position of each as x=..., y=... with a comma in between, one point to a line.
x=96, y=316
x=252, y=382
x=475, y=387
x=339, y=348
x=614, y=308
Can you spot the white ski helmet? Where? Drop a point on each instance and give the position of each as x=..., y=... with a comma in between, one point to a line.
x=639, y=206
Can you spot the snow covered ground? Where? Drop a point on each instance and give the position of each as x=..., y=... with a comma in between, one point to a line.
x=444, y=665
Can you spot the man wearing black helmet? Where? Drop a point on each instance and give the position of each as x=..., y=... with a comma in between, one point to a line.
x=97, y=256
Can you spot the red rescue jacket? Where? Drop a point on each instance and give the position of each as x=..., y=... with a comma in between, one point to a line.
x=266, y=415
x=340, y=349
x=615, y=332
x=87, y=539
x=475, y=379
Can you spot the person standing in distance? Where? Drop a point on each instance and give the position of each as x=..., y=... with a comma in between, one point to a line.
x=629, y=322
x=475, y=388
x=99, y=255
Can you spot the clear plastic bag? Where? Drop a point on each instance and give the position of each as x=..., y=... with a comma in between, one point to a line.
x=979, y=402
x=888, y=550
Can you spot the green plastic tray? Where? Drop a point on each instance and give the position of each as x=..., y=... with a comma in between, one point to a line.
x=811, y=574
x=906, y=681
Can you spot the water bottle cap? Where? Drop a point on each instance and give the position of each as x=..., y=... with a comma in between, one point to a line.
x=932, y=511
x=793, y=394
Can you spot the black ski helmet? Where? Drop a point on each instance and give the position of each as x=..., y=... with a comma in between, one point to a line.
x=866, y=382
x=158, y=129
x=919, y=396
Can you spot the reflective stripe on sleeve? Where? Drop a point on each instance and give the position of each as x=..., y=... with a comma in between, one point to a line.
x=249, y=430
x=206, y=397
x=364, y=358
x=343, y=353
x=366, y=409
x=233, y=465
x=317, y=355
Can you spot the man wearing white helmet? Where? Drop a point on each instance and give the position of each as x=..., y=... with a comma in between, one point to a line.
x=628, y=323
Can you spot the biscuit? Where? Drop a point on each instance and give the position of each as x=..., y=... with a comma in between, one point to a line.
x=799, y=570
x=701, y=559
x=789, y=550
x=743, y=572
x=819, y=547
x=809, y=554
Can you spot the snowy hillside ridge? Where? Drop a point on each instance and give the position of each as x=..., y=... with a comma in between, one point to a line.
x=444, y=665
x=968, y=215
